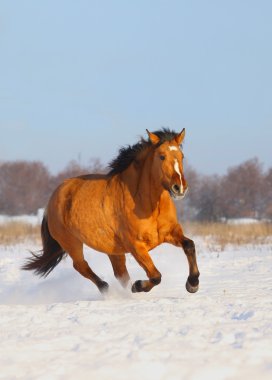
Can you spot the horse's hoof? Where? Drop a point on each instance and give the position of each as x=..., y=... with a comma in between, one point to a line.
x=137, y=287
x=103, y=287
x=190, y=288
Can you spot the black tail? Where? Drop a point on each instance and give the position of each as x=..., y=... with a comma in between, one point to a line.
x=44, y=261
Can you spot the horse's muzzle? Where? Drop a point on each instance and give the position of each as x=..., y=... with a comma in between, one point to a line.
x=178, y=192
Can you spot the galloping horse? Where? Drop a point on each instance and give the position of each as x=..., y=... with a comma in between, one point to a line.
x=127, y=210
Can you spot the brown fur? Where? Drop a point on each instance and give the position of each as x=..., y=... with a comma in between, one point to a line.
x=127, y=211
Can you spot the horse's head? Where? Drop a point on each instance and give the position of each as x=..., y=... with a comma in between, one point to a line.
x=168, y=163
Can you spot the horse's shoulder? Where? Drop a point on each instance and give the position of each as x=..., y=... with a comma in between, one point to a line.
x=167, y=206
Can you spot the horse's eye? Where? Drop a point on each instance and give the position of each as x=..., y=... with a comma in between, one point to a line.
x=162, y=157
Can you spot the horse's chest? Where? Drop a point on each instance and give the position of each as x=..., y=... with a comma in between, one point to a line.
x=154, y=229
x=152, y=234
x=150, y=238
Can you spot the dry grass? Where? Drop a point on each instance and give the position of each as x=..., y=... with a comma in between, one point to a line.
x=17, y=232
x=221, y=234
x=215, y=235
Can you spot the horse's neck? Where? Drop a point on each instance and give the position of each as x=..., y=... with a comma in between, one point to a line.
x=143, y=187
x=149, y=186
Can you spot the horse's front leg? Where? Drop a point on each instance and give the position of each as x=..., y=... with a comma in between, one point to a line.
x=178, y=239
x=141, y=255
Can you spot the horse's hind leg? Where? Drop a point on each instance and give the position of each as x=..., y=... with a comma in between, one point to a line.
x=75, y=250
x=83, y=268
x=118, y=263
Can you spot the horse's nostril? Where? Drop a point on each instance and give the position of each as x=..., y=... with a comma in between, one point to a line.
x=176, y=188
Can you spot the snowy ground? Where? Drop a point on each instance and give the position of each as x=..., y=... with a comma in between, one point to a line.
x=62, y=328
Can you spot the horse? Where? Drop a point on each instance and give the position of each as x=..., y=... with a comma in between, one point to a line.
x=128, y=210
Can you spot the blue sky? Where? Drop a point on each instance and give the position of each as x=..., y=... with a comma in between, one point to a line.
x=82, y=78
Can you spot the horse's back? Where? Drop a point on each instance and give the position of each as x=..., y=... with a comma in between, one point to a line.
x=78, y=195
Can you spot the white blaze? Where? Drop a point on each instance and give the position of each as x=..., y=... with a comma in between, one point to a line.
x=171, y=147
x=176, y=167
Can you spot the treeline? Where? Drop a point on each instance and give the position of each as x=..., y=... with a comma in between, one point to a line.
x=26, y=186
x=244, y=192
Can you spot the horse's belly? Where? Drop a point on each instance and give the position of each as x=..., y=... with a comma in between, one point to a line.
x=105, y=241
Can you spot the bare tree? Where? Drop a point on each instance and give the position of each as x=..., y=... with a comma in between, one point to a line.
x=74, y=169
x=23, y=187
x=241, y=190
x=187, y=209
x=245, y=191
x=267, y=195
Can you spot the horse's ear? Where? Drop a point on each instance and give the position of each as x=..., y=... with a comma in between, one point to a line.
x=180, y=137
x=153, y=138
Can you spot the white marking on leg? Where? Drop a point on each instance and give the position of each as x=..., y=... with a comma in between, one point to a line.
x=171, y=147
x=176, y=167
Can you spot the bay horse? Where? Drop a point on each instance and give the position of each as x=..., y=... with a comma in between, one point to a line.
x=130, y=209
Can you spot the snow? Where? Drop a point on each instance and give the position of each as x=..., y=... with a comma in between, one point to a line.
x=29, y=219
x=62, y=328
x=245, y=221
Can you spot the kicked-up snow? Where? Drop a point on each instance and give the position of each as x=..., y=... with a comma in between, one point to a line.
x=62, y=328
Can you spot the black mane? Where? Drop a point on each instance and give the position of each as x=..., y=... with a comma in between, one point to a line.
x=129, y=153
